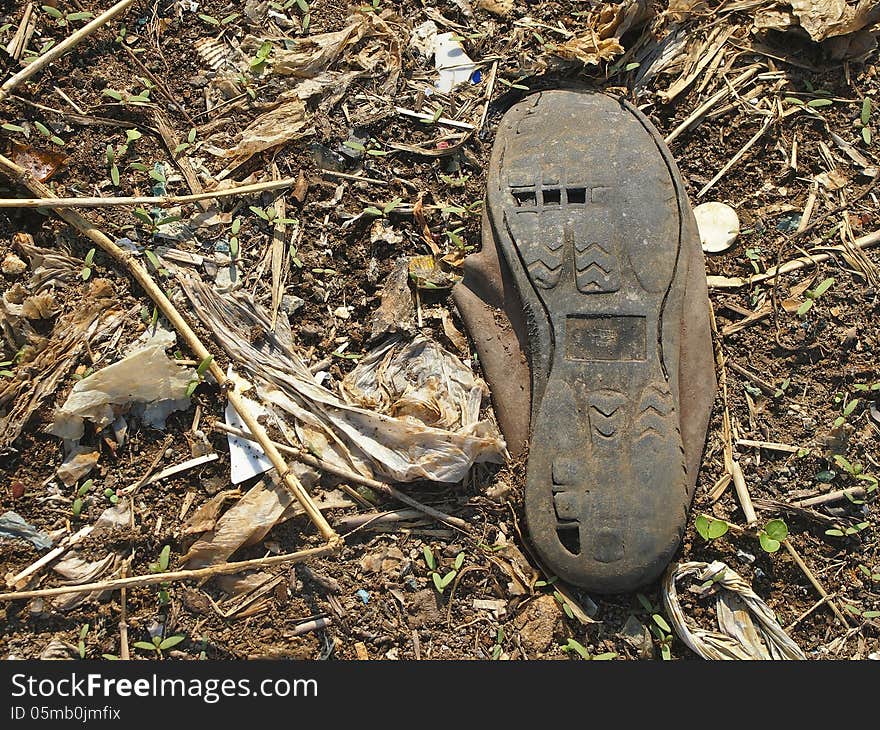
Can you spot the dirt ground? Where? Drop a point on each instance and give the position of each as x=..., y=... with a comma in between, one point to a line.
x=797, y=376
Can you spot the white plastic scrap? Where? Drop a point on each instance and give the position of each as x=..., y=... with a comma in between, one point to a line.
x=739, y=637
x=452, y=63
x=246, y=458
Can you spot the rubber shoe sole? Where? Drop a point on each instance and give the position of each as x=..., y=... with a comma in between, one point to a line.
x=589, y=218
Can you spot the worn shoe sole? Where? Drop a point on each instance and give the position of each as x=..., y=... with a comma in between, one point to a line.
x=588, y=214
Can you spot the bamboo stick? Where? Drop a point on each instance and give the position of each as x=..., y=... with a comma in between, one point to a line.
x=142, y=276
x=137, y=581
x=160, y=200
x=56, y=52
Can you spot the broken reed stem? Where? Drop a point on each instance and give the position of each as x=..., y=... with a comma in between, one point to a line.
x=810, y=610
x=350, y=476
x=742, y=492
x=815, y=581
x=57, y=51
x=698, y=113
x=854, y=492
x=142, y=276
x=123, y=618
x=736, y=282
x=159, y=200
x=138, y=581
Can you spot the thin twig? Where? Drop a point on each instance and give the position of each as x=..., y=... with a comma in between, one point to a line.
x=159, y=200
x=735, y=282
x=57, y=51
x=123, y=617
x=771, y=445
x=430, y=118
x=821, y=602
x=349, y=176
x=138, y=581
x=815, y=581
x=698, y=113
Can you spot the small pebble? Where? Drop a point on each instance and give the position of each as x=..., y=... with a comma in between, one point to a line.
x=363, y=595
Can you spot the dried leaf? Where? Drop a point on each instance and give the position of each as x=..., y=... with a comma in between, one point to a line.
x=285, y=123
x=600, y=39
x=39, y=163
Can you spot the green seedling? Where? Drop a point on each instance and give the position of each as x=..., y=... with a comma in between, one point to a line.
x=663, y=633
x=847, y=531
x=258, y=62
x=754, y=257
x=269, y=215
x=4, y=371
x=848, y=410
x=81, y=644
x=772, y=535
x=498, y=648
x=813, y=294
x=199, y=375
x=48, y=133
x=79, y=500
x=62, y=20
x=710, y=528
x=872, y=575
x=161, y=566
x=455, y=238
x=435, y=116
x=856, y=611
x=87, y=265
x=111, y=496
x=575, y=646
x=865, y=119
x=158, y=644
x=154, y=221
x=857, y=471
x=783, y=386
x=441, y=582
x=190, y=140
x=562, y=601
x=386, y=209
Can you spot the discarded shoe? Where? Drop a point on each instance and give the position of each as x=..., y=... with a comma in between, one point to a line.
x=588, y=308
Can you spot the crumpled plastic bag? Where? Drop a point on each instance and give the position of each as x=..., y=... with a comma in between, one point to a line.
x=147, y=378
x=343, y=432
x=417, y=381
x=821, y=19
x=13, y=525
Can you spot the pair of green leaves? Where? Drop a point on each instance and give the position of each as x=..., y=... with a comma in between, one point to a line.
x=710, y=528
x=441, y=582
x=159, y=644
x=772, y=535
x=813, y=294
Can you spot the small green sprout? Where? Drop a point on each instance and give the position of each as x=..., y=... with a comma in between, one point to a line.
x=772, y=535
